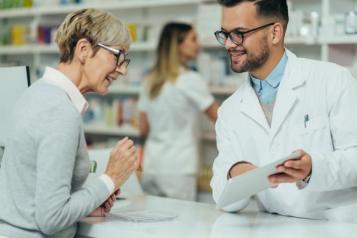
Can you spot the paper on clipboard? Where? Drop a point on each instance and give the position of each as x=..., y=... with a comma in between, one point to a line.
x=250, y=183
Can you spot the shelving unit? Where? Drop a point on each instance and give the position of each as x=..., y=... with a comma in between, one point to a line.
x=134, y=90
x=332, y=44
x=52, y=49
x=120, y=5
x=127, y=130
x=137, y=11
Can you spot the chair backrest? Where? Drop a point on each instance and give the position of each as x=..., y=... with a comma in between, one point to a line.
x=101, y=156
x=13, y=82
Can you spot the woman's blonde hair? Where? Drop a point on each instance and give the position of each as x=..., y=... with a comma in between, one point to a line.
x=168, y=60
x=94, y=25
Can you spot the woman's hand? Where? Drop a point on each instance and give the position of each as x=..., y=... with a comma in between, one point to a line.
x=108, y=204
x=105, y=208
x=98, y=212
x=123, y=162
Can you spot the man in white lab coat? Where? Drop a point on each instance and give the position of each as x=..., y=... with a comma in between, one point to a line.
x=287, y=103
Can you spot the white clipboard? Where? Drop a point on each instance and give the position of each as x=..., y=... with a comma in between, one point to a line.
x=251, y=182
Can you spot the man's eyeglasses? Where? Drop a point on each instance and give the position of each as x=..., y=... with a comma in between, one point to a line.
x=119, y=54
x=236, y=36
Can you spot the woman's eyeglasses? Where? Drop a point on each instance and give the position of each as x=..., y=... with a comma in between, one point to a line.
x=122, y=59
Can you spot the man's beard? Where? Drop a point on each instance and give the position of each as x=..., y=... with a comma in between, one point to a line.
x=253, y=61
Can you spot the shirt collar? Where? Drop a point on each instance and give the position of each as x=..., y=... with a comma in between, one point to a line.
x=56, y=78
x=275, y=76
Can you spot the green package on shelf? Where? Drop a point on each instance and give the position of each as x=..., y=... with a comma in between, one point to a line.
x=93, y=166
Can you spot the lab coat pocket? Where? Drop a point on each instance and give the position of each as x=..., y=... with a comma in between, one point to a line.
x=316, y=134
x=315, y=124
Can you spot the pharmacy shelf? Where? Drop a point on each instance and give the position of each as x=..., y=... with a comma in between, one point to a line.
x=345, y=39
x=120, y=5
x=124, y=89
x=18, y=12
x=98, y=129
x=222, y=90
x=301, y=41
x=52, y=49
x=333, y=40
x=151, y=46
x=28, y=49
x=128, y=130
x=127, y=89
x=210, y=44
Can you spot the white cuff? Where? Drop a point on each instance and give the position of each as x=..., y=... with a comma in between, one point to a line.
x=108, y=182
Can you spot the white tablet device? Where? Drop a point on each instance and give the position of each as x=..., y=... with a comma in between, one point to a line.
x=250, y=183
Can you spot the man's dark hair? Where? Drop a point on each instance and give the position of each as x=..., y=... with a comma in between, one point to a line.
x=265, y=8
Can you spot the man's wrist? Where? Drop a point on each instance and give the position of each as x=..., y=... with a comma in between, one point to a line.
x=229, y=175
x=307, y=178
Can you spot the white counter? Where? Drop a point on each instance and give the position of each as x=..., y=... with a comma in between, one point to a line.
x=203, y=220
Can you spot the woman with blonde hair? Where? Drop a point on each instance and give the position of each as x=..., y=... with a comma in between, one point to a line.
x=46, y=161
x=169, y=103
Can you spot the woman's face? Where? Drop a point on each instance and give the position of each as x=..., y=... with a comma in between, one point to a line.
x=102, y=69
x=190, y=47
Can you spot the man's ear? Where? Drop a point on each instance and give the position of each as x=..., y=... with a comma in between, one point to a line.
x=83, y=50
x=277, y=33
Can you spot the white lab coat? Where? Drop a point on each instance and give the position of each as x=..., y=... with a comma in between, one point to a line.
x=171, y=146
x=328, y=94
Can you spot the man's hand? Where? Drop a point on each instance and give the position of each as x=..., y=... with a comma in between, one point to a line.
x=292, y=170
x=241, y=168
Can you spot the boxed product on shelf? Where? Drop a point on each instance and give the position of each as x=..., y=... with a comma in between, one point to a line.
x=46, y=34
x=15, y=3
x=19, y=34
x=133, y=30
x=113, y=113
x=129, y=115
x=5, y=36
x=204, y=179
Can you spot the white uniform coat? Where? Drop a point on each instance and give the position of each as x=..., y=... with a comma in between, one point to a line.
x=327, y=93
x=172, y=144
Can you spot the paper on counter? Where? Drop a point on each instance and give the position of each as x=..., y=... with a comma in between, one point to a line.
x=144, y=216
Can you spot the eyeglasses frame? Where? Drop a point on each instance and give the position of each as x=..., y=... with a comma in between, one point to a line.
x=116, y=53
x=241, y=33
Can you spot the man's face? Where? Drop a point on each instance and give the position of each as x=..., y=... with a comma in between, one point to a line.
x=254, y=51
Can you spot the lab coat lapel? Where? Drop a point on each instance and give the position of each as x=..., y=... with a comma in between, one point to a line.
x=287, y=96
x=251, y=107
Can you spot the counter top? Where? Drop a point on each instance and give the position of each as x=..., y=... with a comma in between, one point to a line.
x=204, y=220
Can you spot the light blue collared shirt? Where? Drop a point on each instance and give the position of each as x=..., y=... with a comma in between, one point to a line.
x=268, y=88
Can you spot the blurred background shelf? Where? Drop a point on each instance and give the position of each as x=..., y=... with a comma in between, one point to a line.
x=98, y=129
x=108, y=6
x=53, y=49
x=127, y=130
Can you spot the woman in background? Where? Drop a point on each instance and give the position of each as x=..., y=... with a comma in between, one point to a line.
x=46, y=161
x=171, y=99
